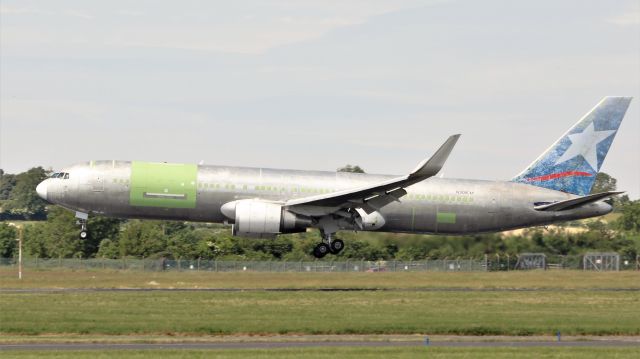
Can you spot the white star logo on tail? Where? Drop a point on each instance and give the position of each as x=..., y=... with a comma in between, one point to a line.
x=585, y=144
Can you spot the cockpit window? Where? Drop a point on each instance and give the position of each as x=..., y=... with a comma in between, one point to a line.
x=63, y=175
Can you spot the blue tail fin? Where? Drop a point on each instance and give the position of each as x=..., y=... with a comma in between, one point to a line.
x=573, y=161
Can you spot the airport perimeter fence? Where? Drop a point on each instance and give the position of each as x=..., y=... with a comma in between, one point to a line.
x=523, y=261
x=250, y=266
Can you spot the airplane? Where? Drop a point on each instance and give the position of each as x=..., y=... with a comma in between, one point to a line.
x=262, y=202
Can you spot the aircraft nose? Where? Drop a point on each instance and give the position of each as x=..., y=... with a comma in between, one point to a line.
x=41, y=189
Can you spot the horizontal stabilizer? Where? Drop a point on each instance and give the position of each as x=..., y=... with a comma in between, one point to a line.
x=575, y=202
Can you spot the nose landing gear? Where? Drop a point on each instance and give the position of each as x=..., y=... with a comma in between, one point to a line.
x=83, y=233
x=82, y=221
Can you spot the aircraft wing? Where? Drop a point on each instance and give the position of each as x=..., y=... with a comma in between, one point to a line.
x=373, y=197
x=575, y=202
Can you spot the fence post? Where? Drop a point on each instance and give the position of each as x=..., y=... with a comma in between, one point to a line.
x=36, y=261
x=198, y=268
x=179, y=268
x=486, y=262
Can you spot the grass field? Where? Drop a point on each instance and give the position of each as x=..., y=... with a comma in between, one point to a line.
x=312, y=353
x=575, y=302
x=266, y=313
x=565, y=279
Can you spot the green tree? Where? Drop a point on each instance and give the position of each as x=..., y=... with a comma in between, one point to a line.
x=142, y=239
x=277, y=248
x=604, y=183
x=630, y=217
x=7, y=182
x=57, y=237
x=108, y=248
x=100, y=229
x=61, y=235
x=23, y=199
x=182, y=243
x=350, y=168
x=8, y=236
x=35, y=240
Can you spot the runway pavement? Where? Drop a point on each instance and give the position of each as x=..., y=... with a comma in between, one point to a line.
x=448, y=289
x=311, y=343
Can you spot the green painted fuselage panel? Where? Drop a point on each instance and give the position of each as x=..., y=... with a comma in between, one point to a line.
x=168, y=185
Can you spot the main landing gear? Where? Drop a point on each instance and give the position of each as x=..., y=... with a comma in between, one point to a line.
x=82, y=221
x=328, y=245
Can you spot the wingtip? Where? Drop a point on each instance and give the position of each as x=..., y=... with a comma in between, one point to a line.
x=619, y=98
x=437, y=159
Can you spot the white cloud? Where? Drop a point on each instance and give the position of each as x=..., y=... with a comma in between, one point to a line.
x=78, y=13
x=11, y=10
x=631, y=17
x=266, y=26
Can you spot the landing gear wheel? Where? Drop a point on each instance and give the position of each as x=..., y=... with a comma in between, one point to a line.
x=321, y=250
x=84, y=234
x=336, y=246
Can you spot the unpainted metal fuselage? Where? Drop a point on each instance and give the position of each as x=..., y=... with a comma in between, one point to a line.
x=436, y=205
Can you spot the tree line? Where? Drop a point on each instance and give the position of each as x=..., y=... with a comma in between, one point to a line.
x=56, y=235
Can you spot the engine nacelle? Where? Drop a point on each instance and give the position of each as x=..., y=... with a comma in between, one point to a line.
x=369, y=222
x=261, y=219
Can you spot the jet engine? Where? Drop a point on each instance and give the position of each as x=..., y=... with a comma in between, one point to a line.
x=262, y=219
x=369, y=221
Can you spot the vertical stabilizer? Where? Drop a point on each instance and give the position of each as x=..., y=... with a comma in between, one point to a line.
x=573, y=161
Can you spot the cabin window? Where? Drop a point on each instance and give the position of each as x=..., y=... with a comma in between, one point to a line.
x=66, y=176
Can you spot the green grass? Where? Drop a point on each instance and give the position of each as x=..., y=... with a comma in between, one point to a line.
x=268, y=313
x=346, y=352
x=577, y=303
x=565, y=279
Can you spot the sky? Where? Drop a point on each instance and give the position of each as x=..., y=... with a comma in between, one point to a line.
x=314, y=84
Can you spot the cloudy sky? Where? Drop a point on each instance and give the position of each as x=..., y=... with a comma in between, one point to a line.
x=313, y=84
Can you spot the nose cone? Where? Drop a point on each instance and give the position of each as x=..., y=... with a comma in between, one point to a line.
x=41, y=189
